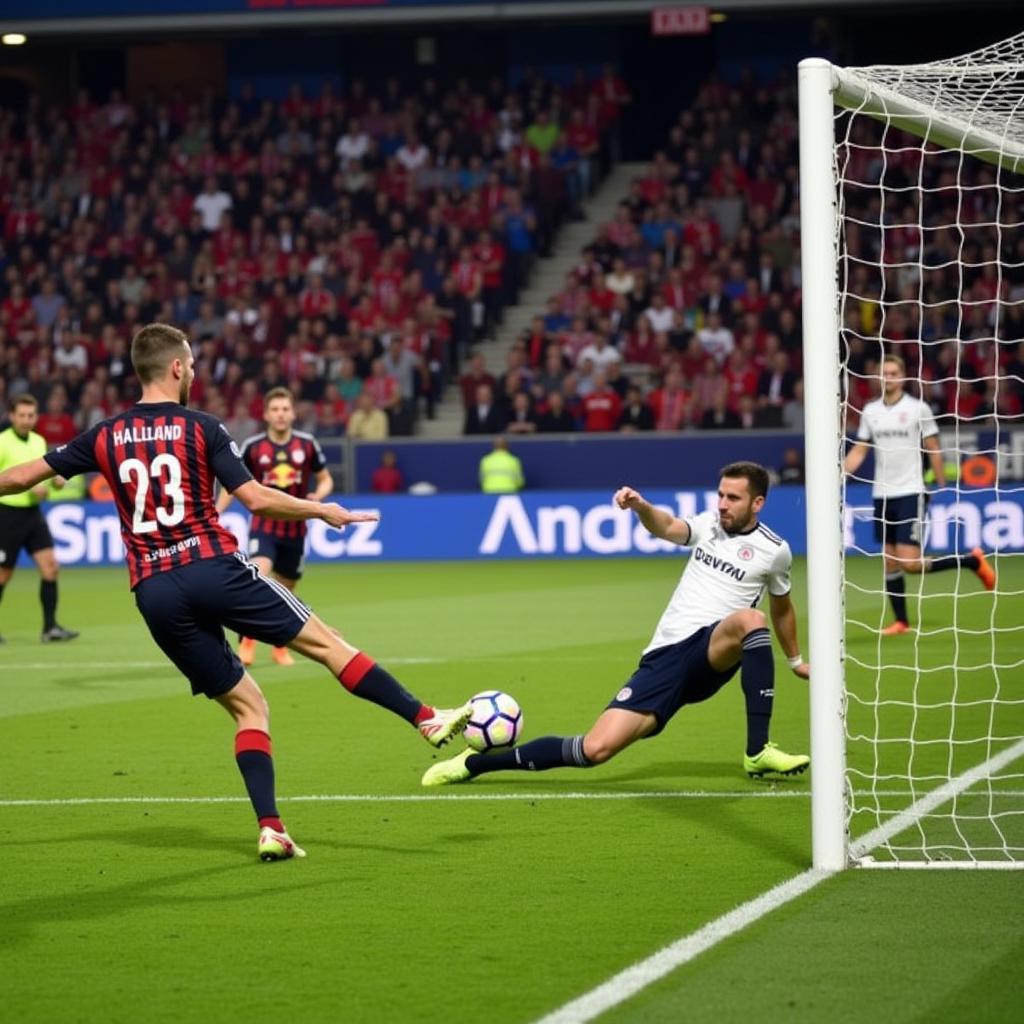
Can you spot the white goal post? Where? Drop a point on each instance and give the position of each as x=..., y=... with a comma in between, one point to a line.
x=967, y=110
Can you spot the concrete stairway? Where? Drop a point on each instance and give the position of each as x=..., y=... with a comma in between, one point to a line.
x=548, y=278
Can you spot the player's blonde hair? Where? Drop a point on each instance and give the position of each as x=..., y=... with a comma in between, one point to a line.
x=897, y=361
x=275, y=393
x=154, y=348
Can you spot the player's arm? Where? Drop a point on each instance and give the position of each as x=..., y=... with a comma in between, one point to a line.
x=783, y=616
x=275, y=504
x=324, y=486
x=855, y=457
x=25, y=476
x=655, y=520
x=931, y=446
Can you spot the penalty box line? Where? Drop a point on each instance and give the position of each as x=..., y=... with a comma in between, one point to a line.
x=639, y=976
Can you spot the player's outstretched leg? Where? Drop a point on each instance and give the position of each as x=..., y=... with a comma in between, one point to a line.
x=247, y=706
x=364, y=678
x=976, y=562
x=615, y=730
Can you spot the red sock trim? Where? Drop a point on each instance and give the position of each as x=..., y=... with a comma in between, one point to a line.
x=425, y=712
x=252, y=739
x=274, y=823
x=352, y=674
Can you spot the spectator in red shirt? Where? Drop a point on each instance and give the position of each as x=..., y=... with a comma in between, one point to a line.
x=671, y=403
x=56, y=424
x=387, y=477
x=602, y=406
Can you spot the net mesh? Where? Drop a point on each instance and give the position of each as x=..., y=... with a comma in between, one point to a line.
x=931, y=212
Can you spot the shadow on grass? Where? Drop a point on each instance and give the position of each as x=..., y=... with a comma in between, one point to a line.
x=727, y=775
x=77, y=896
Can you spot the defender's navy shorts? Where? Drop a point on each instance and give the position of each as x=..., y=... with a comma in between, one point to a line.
x=287, y=557
x=187, y=610
x=669, y=677
x=22, y=528
x=900, y=520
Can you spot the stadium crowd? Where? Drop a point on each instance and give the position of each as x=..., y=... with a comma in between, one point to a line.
x=351, y=247
x=357, y=247
x=685, y=310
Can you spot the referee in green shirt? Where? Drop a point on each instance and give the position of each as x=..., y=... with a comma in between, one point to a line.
x=22, y=524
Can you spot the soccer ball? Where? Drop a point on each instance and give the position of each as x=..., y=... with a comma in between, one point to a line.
x=496, y=721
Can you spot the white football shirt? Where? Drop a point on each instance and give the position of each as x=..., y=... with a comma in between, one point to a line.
x=896, y=432
x=725, y=573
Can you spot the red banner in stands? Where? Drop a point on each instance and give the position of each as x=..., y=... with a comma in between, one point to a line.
x=681, y=21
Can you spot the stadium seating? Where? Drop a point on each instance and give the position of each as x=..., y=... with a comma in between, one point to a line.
x=324, y=242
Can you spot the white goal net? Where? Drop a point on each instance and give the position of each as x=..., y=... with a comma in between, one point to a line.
x=925, y=205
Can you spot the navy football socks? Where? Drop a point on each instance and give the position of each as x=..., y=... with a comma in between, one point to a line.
x=363, y=677
x=252, y=754
x=757, y=676
x=947, y=562
x=896, y=587
x=536, y=756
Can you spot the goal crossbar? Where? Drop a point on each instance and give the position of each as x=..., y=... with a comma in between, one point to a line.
x=979, y=136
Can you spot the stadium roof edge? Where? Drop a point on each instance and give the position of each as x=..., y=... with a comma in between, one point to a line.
x=375, y=14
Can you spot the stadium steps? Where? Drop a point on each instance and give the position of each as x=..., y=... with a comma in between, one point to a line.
x=548, y=279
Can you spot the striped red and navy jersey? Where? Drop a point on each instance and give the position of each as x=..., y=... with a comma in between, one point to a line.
x=161, y=461
x=290, y=466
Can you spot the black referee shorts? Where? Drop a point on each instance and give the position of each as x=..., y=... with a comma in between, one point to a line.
x=187, y=610
x=22, y=528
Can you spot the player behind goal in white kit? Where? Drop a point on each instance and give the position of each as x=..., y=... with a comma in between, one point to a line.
x=899, y=427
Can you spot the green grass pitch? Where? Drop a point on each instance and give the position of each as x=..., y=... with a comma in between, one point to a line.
x=467, y=905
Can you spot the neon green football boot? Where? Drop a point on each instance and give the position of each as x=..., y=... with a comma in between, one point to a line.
x=446, y=773
x=771, y=759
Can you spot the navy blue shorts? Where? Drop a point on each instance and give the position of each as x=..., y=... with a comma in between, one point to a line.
x=287, y=557
x=187, y=610
x=669, y=677
x=900, y=520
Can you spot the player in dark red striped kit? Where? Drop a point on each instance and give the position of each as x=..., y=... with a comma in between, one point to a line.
x=290, y=461
x=190, y=581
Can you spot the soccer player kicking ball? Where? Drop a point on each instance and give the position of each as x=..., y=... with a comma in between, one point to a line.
x=710, y=629
x=190, y=582
x=900, y=427
x=290, y=461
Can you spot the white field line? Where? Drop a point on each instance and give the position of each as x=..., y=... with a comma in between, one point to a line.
x=633, y=979
x=410, y=798
x=627, y=983
x=413, y=798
